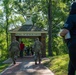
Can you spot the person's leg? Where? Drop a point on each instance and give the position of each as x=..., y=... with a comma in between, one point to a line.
x=28, y=52
x=72, y=55
x=31, y=52
x=21, y=53
x=13, y=57
x=39, y=56
x=71, y=70
x=35, y=57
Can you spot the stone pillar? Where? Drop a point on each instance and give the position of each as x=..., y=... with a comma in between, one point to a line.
x=12, y=36
x=43, y=40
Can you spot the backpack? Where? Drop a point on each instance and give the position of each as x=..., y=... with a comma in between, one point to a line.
x=37, y=46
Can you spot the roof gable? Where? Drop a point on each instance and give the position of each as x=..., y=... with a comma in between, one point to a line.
x=30, y=28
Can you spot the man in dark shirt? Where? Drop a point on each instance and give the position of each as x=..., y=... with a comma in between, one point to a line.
x=70, y=26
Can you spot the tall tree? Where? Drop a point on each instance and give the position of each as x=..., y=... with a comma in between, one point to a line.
x=6, y=11
x=50, y=27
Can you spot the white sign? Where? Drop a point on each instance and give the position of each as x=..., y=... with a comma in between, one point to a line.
x=27, y=34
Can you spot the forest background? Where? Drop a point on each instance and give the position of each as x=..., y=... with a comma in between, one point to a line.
x=50, y=14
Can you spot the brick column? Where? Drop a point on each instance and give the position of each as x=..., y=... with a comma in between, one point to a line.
x=43, y=40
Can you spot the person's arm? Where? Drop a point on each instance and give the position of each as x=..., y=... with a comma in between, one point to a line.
x=67, y=26
x=18, y=45
x=64, y=32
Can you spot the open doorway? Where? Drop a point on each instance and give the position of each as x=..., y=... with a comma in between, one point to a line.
x=28, y=49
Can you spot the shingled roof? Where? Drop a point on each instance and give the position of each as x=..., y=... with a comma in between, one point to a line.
x=25, y=28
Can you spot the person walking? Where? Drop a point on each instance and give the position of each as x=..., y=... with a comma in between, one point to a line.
x=14, y=49
x=28, y=50
x=70, y=28
x=37, y=50
x=31, y=49
x=21, y=49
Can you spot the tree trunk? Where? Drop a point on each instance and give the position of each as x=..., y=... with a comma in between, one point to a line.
x=7, y=32
x=50, y=28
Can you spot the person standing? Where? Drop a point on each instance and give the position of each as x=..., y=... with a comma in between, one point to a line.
x=14, y=49
x=70, y=27
x=28, y=50
x=37, y=49
x=21, y=49
x=31, y=50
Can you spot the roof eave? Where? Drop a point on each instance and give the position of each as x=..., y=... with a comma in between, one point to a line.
x=28, y=32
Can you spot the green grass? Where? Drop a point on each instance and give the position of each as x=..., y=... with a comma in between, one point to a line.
x=2, y=65
x=58, y=64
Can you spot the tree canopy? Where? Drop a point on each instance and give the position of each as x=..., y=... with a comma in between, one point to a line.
x=13, y=14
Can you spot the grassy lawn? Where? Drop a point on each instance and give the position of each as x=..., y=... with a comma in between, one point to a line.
x=58, y=64
x=3, y=66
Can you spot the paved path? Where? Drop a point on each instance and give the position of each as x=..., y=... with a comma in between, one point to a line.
x=26, y=66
